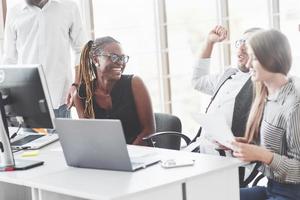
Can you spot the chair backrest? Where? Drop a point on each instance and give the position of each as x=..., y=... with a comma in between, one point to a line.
x=167, y=122
x=168, y=132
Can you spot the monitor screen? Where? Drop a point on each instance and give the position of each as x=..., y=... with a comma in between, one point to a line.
x=25, y=96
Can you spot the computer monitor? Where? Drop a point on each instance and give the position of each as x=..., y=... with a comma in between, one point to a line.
x=24, y=101
x=25, y=97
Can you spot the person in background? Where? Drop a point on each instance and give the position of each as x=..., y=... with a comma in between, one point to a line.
x=231, y=90
x=42, y=32
x=105, y=93
x=273, y=123
x=231, y=94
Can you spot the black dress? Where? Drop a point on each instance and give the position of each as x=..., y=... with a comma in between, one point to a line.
x=123, y=107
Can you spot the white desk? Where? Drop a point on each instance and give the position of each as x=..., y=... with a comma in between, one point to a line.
x=211, y=177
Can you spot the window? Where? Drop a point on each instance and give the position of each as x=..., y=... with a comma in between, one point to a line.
x=289, y=24
x=188, y=25
x=244, y=15
x=133, y=24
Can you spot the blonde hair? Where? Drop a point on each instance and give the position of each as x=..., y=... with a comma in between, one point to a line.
x=272, y=50
x=256, y=112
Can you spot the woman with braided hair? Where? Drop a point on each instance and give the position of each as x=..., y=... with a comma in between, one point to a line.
x=105, y=93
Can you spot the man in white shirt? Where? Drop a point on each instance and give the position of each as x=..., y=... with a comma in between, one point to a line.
x=226, y=88
x=231, y=91
x=42, y=32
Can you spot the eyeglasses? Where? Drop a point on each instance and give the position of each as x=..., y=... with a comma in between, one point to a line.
x=123, y=59
x=239, y=43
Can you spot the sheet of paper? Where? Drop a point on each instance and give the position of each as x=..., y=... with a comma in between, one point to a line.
x=216, y=128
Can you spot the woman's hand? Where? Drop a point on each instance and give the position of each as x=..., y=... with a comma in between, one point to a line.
x=138, y=141
x=241, y=139
x=220, y=146
x=250, y=152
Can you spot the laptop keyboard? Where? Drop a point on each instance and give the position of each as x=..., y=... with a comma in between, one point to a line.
x=26, y=140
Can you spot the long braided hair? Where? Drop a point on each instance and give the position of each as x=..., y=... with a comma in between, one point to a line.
x=88, y=70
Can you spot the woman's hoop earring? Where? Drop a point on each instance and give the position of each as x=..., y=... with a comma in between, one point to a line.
x=97, y=64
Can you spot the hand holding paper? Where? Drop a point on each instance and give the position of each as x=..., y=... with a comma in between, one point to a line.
x=216, y=128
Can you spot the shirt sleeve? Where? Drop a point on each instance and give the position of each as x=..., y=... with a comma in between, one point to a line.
x=78, y=36
x=202, y=80
x=10, y=54
x=287, y=166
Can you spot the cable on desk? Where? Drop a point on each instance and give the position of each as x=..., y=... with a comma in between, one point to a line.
x=16, y=133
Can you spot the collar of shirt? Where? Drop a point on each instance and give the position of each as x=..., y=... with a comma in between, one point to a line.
x=284, y=91
x=241, y=75
x=25, y=5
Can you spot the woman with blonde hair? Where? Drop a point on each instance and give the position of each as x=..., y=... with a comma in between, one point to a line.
x=105, y=93
x=274, y=120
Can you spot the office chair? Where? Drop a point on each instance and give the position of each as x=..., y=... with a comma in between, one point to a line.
x=254, y=177
x=257, y=179
x=168, y=133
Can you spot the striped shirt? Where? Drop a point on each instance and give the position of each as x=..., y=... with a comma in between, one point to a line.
x=280, y=133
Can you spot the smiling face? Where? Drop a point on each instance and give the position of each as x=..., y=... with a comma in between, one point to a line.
x=257, y=70
x=105, y=66
x=269, y=53
x=242, y=56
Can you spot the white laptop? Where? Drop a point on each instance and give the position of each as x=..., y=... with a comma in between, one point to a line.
x=31, y=140
x=99, y=144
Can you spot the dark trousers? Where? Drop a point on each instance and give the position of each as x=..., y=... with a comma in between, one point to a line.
x=62, y=112
x=273, y=191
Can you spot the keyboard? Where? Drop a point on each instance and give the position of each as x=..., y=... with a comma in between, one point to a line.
x=26, y=140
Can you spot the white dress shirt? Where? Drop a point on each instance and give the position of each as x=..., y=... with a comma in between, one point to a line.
x=224, y=101
x=207, y=83
x=45, y=36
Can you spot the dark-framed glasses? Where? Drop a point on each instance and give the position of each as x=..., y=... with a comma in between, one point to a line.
x=123, y=59
x=239, y=43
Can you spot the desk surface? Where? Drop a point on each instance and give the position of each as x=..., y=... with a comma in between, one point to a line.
x=56, y=176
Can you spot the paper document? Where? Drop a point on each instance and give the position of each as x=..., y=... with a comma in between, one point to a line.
x=216, y=128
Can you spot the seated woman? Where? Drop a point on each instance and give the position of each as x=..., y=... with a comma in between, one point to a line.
x=274, y=119
x=105, y=93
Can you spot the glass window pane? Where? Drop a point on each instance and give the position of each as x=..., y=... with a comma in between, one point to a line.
x=289, y=25
x=188, y=26
x=133, y=24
